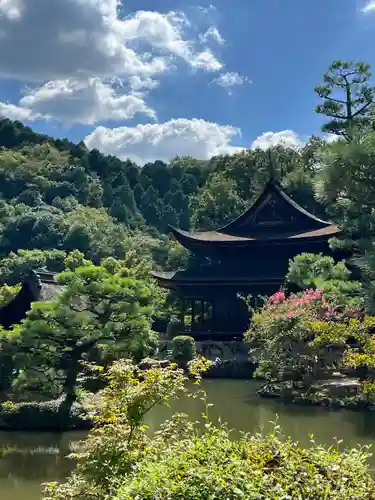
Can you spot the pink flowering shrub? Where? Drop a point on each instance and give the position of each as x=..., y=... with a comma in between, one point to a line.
x=284, y=334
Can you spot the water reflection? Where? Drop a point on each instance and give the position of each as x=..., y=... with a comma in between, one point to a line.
x=40, y=457
x=33, y=458
x=236, y=403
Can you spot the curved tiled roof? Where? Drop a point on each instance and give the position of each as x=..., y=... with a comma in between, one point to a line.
x=272, y=188
x=217, y=236
x=273, y=217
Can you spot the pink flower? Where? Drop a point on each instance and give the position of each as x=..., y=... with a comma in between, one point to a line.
x=277, y=297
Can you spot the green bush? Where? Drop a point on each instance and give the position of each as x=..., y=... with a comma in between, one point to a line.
x=183, y=349
x=186, y=460
x=214, y=466
x=45, y=415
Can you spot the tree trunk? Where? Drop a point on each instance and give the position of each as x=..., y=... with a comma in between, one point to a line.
x=71, y=368
x=70, y=390
x=6, y=375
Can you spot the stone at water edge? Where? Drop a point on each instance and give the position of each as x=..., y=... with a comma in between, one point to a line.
x=148, y=363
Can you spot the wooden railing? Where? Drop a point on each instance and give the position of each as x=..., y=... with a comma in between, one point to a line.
x=199, y=334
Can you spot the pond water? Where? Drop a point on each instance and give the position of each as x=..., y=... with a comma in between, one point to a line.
x=40, y=457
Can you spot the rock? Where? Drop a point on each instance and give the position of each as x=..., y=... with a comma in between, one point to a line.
x=148, y=363
x=230, y=359
x=164, y=363
x=270, y=391
x=339, y=387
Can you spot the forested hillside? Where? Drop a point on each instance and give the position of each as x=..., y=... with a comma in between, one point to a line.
x=56, y=195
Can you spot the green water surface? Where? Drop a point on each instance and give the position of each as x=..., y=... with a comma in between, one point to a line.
x=40, y=457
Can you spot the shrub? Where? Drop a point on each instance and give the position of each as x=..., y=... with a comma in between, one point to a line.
x=183, y=350
x=281, y=330
x=45, y=415
x=185, y=460
x=291, y=336
x=299, y=340
x=214, y=466
x=321, y=271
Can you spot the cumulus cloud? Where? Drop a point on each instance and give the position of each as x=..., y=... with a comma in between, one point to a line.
x=369, y=7
x=88, y=64
x=45, y=40
x=183, y=137
x=230, y=79
x=16, y=112
x=85, y=102
x=67, y=38
x=165, y=32
x=286, y=138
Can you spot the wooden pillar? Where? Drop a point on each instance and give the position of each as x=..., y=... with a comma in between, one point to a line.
x=213, y=315
x=192, y=312
x=202, y=312
x=183, y=309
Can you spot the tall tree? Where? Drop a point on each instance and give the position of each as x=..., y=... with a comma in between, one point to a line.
x=347, y=95
x=216, y=203
x=345, y=183
x=99, y=306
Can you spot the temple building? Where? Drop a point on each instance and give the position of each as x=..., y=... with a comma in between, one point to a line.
x=247, y=257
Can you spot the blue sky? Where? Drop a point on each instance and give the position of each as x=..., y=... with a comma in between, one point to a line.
x=154, y=78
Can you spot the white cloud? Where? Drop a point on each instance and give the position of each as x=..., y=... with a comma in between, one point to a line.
x=86, y=102
x=11, y=9
x=16, y=112
x=163, y=141
x=69, y=38
x=214, y=34
x=369, y=7
x=79, y=53
x=165, y=32
x=230, y=79
x=286, y=138
x=207, y=61
x=331, y=137
x=59, y=39
x=138, y=83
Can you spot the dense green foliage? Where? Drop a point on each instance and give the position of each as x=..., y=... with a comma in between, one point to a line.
x=42, y=416
x=321, y=271
x=192, y=461
x=183, y=350
x=101, y=312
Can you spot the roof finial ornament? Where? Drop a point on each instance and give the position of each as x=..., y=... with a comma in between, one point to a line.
x=271, y=166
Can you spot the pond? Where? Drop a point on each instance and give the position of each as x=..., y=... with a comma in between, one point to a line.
x=40, y=457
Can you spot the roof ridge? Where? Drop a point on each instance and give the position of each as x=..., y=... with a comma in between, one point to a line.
x=271, y=185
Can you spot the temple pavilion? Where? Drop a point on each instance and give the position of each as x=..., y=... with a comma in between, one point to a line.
x=247, y=257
